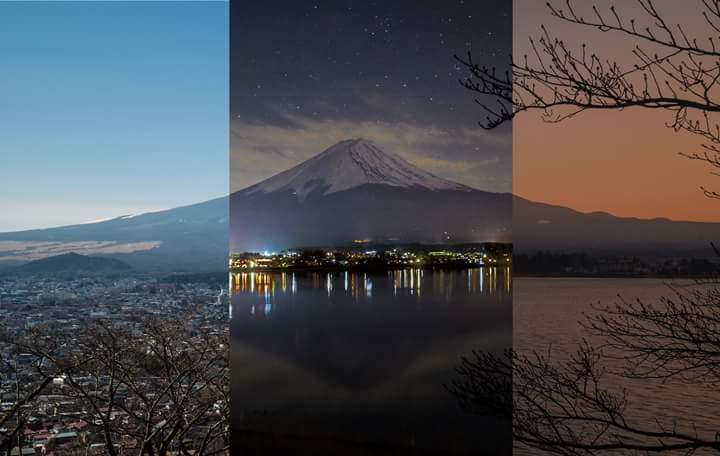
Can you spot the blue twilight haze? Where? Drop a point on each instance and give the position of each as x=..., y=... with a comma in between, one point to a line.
x=110, y=108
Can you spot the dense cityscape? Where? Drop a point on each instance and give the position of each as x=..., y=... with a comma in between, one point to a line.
x=376, y=257
x=92, y=364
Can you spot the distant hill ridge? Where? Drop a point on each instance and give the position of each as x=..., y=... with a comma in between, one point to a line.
x=541, y=226
x=74, y=262
x=191, y=238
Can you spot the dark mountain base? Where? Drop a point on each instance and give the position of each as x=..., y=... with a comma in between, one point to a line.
x=378, y=213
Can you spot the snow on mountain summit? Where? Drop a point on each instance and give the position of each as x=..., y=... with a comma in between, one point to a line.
x=352, y=163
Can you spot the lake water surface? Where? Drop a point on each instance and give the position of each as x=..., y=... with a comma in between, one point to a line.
x=322, y=358
x=546, y=313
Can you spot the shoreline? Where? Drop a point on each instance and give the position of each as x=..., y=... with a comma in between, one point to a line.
x=361, y=269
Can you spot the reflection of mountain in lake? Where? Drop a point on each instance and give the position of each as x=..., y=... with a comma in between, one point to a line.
x=364, y=351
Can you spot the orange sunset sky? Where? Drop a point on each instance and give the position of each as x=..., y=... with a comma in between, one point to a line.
x=625, y=163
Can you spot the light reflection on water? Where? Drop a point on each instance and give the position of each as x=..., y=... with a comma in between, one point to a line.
x=366, y=354
x=359, y=285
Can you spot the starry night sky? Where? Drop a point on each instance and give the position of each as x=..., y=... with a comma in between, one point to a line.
x=305, y=75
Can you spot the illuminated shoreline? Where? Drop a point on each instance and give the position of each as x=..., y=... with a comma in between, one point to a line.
x=361, y=268
x=374, y=259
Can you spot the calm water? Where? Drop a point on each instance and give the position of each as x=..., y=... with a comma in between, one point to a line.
x=546, y=311
x=364, y=357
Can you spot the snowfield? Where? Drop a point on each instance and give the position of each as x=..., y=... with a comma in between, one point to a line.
x=349, y=164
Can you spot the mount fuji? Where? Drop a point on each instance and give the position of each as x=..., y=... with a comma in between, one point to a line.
x=349, y=164
x=355, y=190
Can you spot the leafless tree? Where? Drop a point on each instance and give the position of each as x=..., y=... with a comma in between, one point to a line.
x=673, y=69
x=149, y=388
x=678, y=337
x=30, y=379
x=577, y=404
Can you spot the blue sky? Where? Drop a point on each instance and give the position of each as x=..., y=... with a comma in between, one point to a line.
x=110, y=108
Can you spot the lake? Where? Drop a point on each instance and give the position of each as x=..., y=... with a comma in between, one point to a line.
x=356, y=363
x=546, y=312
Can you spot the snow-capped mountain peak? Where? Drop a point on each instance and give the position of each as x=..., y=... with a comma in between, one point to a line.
x=352, y=163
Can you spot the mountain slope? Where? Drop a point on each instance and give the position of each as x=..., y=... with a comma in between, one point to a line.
x=354, y=190
x=187, y=238
x=197, y=220
x=540, y=226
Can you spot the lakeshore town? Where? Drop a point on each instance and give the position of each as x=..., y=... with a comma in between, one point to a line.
x=57, y=422
x=375, y=257
x=385, y=257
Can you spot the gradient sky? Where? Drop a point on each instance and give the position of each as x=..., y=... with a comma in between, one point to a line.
x=626, y=163
x=110, y=108
x=305, y=75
